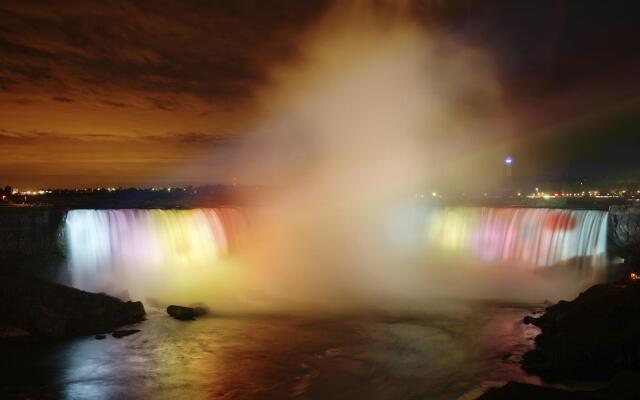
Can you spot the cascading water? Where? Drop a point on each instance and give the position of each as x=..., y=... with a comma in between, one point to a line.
x=534, y=237
x=148, y=251
x=190, y=255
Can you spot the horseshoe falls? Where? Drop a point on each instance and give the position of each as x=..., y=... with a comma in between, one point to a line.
x=190, y=255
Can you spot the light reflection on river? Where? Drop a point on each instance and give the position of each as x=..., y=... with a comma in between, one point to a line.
x=419, y=357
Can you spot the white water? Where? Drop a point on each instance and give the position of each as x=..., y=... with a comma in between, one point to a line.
x=150, y=250
x=195, y=255
x=533, y=237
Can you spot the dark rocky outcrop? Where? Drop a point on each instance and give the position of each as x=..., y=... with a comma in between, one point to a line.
x=125, y=332
x=50, y=310
x=592, y=337
x=9, y=331
x=624, y=232
x=186, y=313
x=623, y=387
x=31, y=240
x=524, y=391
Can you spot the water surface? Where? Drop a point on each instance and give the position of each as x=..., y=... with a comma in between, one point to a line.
x=426, y=356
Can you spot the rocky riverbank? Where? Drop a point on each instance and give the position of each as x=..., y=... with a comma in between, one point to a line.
x=48, y=310
x=592, y=338
x=622, y=387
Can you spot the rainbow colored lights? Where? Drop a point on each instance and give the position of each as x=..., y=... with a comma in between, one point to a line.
x=184, y=254
x=530, y=236
x=110, y=248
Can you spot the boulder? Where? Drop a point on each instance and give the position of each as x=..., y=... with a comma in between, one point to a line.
x=525, y=391
x=9, y=331
x=46, y=309
x=186, y=313
x=623, y=387
x=124, y=332
x=592, y=337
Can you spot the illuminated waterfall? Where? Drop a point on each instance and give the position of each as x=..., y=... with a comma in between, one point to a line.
x=189, y=255
x=116, y=250
x=527, y=236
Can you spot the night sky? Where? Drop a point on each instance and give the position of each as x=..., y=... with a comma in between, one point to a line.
x=127, y=93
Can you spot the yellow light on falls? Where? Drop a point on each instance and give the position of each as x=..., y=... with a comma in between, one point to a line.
x=147, y=252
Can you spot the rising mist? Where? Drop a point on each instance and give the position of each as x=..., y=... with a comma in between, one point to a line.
x=374, y=109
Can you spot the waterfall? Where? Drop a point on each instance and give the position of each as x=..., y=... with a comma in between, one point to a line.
x=190, y=255
x=114, y=250
x=534, y=237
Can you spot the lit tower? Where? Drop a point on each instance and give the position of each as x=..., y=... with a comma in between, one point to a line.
x=508, y=164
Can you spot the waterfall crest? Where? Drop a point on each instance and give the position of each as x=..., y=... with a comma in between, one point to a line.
x=111, y=250
x=214, y=254
x=534, y=237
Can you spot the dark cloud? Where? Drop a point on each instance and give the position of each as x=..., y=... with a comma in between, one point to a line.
x=216, y=51
x=15, y=48
x=114, y=103
x=191, y=138
x=31, y=73
x=203, y=138
x=62, y=99
x=220, y=50
x=163, y=104
x=43, y=137
x=544, y=49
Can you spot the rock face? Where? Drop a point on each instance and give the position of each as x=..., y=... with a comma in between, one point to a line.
x=592, y=337
x=186, y=313
x=523, y=391
x=31, y=240
x=622, y=387
x=50, y=310
x=624, y=232
x=8, y=331
x=124, y=332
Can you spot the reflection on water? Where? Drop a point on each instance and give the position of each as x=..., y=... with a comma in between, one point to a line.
x=434, y=357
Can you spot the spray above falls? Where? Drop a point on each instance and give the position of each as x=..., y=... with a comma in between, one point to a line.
x=204, y=254
x=371, y=108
